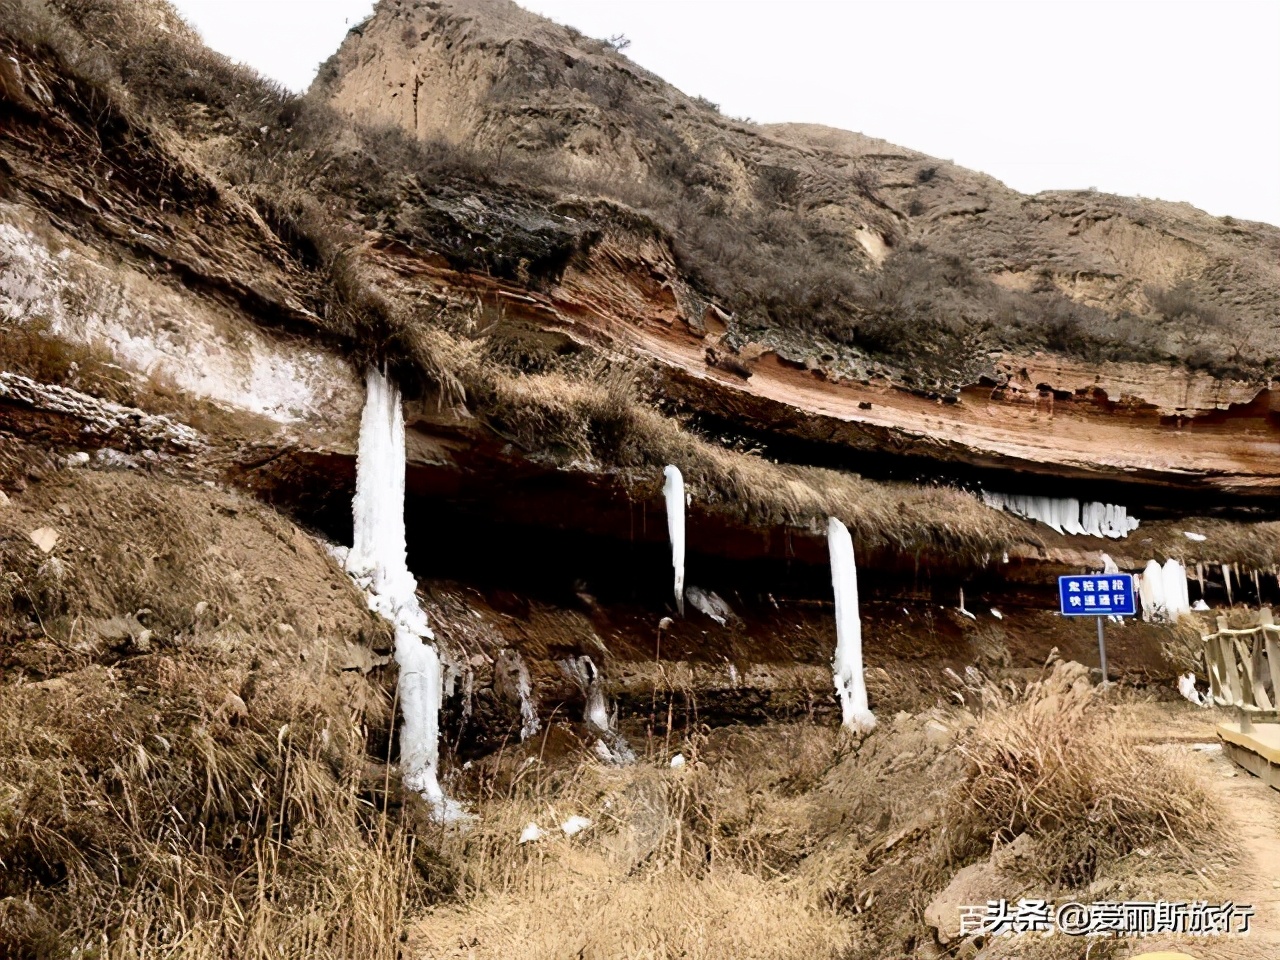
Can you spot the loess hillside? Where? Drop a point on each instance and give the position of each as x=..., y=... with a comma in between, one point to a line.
x=891, y=256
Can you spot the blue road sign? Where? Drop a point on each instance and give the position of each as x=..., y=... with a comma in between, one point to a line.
x=1097, y=595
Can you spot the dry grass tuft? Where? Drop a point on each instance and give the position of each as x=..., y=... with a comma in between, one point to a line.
x=1051, y=768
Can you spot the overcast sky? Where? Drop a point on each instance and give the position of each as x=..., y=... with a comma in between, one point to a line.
x=1161, y=99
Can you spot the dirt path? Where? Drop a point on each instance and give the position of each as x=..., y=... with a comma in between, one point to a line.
x=1253, y=812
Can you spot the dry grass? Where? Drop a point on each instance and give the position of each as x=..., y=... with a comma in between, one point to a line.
x=678, y=863
x=168, y=826
x=728, y=914
x=1053, y=768
x=183, y=766
x=598, y=419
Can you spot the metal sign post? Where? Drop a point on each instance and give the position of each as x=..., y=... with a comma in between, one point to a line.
x=1098, y=595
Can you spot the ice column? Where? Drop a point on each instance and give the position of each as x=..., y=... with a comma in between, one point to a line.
x=377, y=562
x=847, y=665
x=1151, y=591
x=673, y=490
x=1177, y=600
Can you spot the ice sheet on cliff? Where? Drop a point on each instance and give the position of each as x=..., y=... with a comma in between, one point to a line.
x=847, y=664
x=377, y=563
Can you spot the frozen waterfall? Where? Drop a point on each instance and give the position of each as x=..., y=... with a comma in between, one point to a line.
x=1067, y=515
x=847, y=665
x=673, y=490
x=376, y=562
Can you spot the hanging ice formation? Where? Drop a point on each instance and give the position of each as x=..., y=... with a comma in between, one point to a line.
x=1163, y=591
x=1151, y=591
x=611, y=746
x=376, y=562
x=1177, y=600
x=1187, y=687
x=673, y=490
x=710, y=603
x=512, y=682
x=1067, y=516
x=847, y=664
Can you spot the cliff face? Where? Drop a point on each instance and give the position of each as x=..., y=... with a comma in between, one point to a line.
x=577, y=276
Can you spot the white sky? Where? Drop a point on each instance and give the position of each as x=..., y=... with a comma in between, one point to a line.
x=1177, y=100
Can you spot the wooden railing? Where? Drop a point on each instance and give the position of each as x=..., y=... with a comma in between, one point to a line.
x=1244, y=665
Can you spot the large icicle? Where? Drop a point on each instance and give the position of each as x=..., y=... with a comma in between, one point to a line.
x=1177, y=600
x=1151, y=591
x=847, y=665
x=377, y=562
x=673, y=490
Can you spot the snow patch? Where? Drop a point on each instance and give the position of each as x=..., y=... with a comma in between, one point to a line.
x=575, y=825
x=153, y=331
x=100, y=418
x=847, y=663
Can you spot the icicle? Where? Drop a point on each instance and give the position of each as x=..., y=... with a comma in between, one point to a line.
x=963, y=611
x=1174, y=577
x=1068, y=516
x=1200, y=576
x=377, y=562
x=847, y=664
x=1151, y=591
x=673, y=490
x=1257, y=587
x=1108, y=565
x=1226, y=579
x=1092, y=519
x=1071, y=522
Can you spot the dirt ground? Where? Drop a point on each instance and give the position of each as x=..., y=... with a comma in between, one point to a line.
x=1252, y=826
